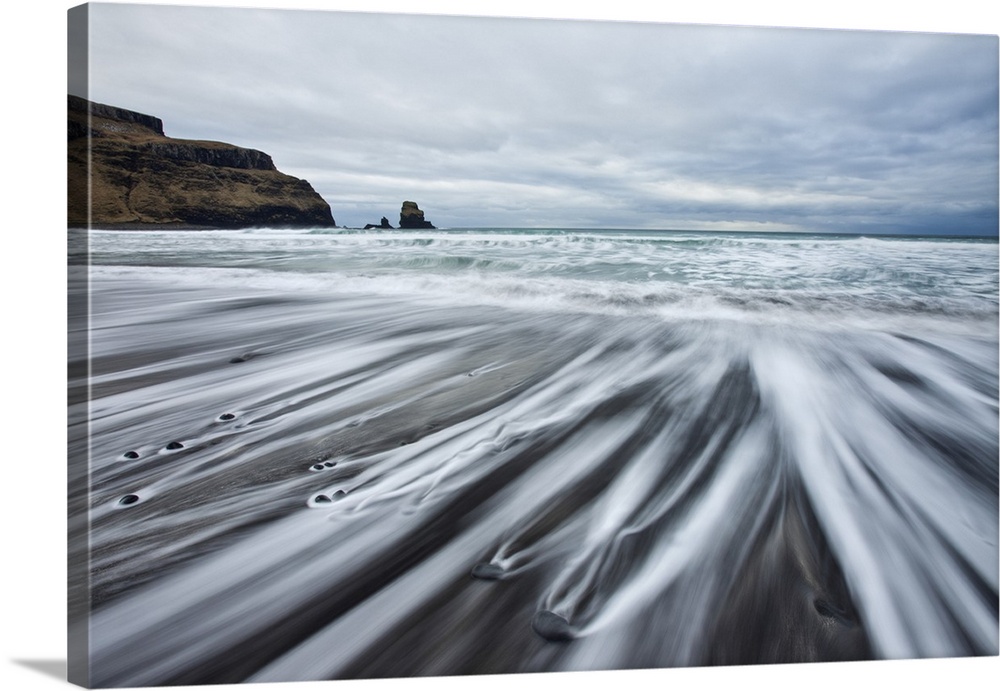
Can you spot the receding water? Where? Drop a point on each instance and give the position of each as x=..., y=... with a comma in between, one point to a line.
x=338, y=455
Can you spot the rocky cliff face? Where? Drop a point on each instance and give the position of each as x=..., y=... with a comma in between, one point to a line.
x=140, y=176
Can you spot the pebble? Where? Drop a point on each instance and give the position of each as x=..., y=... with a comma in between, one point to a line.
x=329, y=498
x=128, y=499
x=552, y=627
x=174, y=445
x=131, y=455
x=828, y=609
x=488, y=572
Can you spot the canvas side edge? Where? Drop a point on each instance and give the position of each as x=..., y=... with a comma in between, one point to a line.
x=78, y=377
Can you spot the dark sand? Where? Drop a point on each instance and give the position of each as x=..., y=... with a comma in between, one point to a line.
x=345, y=464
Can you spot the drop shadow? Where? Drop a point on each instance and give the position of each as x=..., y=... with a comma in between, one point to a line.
x=50, y=668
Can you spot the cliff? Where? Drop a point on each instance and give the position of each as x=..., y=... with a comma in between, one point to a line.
x=139, y=176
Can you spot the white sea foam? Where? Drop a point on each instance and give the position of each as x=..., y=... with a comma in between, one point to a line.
x=805, y=280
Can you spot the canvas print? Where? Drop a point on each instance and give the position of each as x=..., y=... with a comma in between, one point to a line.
x=409, y=345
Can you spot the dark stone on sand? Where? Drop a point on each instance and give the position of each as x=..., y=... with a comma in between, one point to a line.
x=131, y=455
x=828, y=609
x=128, y=499
x=174, y=445
x=552, y=627
x=488, y=572
x=236, y=360
x=227, y=416
x=328, y=498
x=321, y=463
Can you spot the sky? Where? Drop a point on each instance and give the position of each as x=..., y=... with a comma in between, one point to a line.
x=517, y=122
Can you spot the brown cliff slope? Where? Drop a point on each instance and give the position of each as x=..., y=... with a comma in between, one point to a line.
x=139, y=176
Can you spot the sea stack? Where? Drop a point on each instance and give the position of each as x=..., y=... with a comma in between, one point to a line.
x=383, y=225
x=410, y=216
x=124, y=171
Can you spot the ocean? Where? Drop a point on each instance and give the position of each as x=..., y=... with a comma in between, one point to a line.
x=323, y=454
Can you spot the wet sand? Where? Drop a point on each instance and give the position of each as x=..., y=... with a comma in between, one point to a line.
x=306, y=487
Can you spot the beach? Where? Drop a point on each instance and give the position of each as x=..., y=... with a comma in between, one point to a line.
x=347, y=455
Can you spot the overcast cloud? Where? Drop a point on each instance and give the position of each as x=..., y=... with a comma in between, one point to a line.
x=507, y=122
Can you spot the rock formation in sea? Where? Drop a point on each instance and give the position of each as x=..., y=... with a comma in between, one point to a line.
x=410, y=216
x=384, y=225
x=139, y=176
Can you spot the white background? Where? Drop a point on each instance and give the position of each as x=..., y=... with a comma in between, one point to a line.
x=32, y=418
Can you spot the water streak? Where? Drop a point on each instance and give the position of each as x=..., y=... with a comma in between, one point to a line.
x=680, y=491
